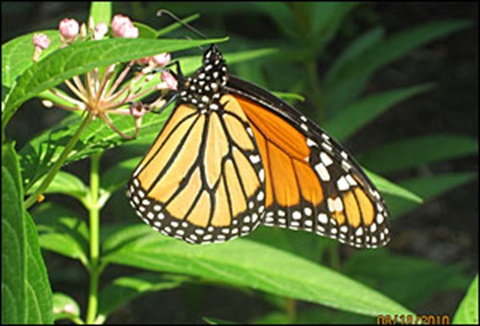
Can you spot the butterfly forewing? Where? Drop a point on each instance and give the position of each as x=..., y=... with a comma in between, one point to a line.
x=202, y=180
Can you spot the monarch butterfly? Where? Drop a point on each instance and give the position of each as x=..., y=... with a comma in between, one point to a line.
x=232, y=156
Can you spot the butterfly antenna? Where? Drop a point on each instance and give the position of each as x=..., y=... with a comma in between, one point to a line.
x=179, y=21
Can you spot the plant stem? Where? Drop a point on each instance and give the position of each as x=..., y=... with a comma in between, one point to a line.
x=291, y=309
x=94, y=212
x=58, y=163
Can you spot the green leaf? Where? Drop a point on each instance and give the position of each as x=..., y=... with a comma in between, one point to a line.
x=101, y=12
x=322, y=316
x=216, y=321
x=145, y=31
x=62, y=231
x=289, y=96
x=81, y=57
x=124, y=289
x=14, y=301
x=326, y=19
x=427, y=188
x=26, y=292
x=351, y=80
x=282, y=15
x=348, y=121
x=17, y=55
x=64, y=183
x=65, y=307
x=272, y=270
x=303, y=244
x=413, y=152
x=273, y=318
x=388, y=187
x=39, y=292
x=416, y=279
x=116, y=177
x=353, y=52
x=467, y=312
x=243, y=56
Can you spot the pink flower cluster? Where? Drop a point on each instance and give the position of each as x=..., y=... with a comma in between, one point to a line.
x=122, y=27
x=105, y=93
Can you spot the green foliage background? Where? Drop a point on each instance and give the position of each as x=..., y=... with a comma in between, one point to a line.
x=359, y=68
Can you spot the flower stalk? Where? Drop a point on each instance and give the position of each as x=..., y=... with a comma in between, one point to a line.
x=58, y=163
x=94, y=216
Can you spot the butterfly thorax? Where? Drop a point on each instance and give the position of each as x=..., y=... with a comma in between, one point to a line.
x=206, y=86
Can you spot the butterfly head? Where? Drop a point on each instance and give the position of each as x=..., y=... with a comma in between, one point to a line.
x=205, y=87
x=212, y=54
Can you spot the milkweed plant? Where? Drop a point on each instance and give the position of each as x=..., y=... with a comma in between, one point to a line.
x=113, y=78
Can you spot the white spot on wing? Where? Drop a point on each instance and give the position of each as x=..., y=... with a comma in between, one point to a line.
x=261, y=175
x=331, y=205
x=346, y=166
x=380, y=218
x=342, y=184
x=260, y=196
x=338, y=204
x=323, y=218
x=297, y=215
x=325, y=159
x=327, y=147
x=322, y=172
x=351, y=181
x=311, y=143
x=254, y=159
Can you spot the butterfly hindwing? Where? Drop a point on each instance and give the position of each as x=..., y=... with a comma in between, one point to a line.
x=312, y=182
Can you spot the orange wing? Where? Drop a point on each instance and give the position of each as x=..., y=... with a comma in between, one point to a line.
x=232, y=155
x=202, y=180
x=312, y=183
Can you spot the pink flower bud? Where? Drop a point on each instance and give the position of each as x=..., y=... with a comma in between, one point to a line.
x=131, y=32
x=122, y=26
x=137, y=110
x=41, y=41
x=100, y=31
x=161, y=60
x=69, y=29
x=170, y=81
x=120, y=20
